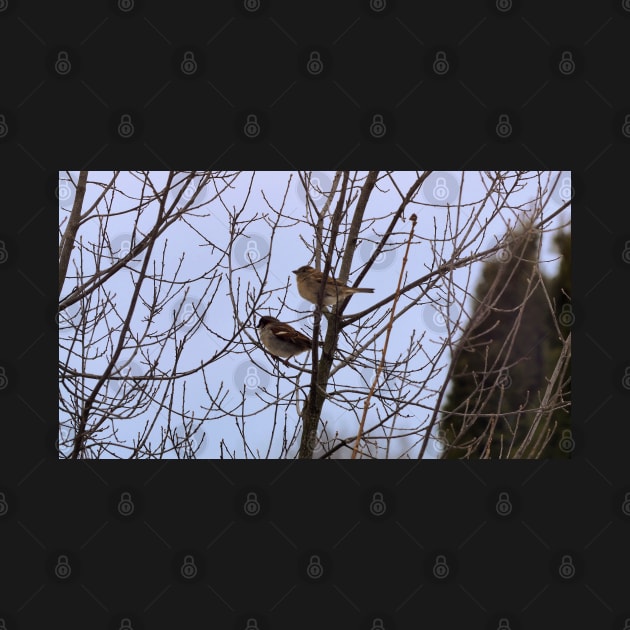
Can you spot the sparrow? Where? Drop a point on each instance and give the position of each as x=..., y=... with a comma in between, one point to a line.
x=282, y=340
x=309, y=280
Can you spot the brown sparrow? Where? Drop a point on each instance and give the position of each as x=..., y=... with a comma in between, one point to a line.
x=309, y=280
x=280, y=339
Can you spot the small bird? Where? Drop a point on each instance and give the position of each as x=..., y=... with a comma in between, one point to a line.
x=282, y=340
x=309, y=280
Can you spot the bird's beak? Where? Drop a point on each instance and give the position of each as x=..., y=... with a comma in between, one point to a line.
x=294, y=271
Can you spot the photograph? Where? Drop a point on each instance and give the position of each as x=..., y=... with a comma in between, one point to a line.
x=315, y=315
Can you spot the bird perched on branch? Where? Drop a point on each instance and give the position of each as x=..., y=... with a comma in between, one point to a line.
x=282, y=340
x=309, y=280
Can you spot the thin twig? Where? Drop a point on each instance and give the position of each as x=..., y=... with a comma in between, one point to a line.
x=413, y=218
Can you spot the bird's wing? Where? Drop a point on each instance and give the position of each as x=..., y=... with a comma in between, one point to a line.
x=289, y=334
